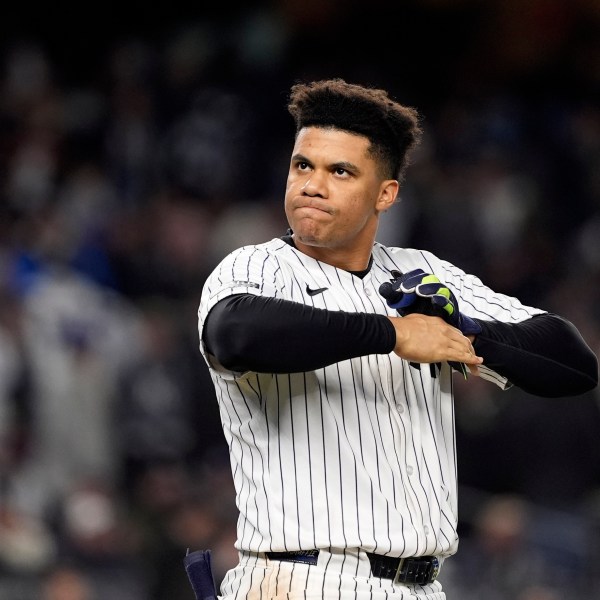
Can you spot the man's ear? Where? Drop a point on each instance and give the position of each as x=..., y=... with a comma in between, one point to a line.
x=387, y=194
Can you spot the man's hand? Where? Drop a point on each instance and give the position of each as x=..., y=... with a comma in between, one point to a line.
x=424, y=339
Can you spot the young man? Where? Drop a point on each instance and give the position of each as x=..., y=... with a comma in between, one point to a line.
x=336, y=401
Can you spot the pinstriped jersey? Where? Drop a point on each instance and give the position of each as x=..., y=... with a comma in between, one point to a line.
x=361, y=453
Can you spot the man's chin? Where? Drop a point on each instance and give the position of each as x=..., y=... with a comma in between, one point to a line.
x=307, y=239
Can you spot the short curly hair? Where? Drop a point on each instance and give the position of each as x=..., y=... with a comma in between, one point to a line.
x=392, y=129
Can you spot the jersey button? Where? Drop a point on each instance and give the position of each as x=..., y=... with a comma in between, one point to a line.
x=400, y=408
x=409, y=470
x=426, y=530
x=368, y=291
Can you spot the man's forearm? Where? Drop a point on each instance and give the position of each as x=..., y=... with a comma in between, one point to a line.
x=544, y=355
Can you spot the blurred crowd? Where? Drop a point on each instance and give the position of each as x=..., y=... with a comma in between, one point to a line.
x=131, y=164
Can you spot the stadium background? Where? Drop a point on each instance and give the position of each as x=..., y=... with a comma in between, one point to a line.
x=139, y=144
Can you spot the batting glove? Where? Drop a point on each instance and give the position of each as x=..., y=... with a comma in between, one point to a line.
x=420, y=292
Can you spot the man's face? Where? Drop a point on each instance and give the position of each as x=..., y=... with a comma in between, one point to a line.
x=334, y=192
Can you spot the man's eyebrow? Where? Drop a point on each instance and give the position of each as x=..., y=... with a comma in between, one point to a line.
x=301, y=158
x=347, y=166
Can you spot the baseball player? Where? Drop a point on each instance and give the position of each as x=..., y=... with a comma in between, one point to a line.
x=332, y=358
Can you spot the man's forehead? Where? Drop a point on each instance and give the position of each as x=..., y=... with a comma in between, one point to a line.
x=332, y=139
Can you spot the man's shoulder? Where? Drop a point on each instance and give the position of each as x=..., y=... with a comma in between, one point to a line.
x=244, y=269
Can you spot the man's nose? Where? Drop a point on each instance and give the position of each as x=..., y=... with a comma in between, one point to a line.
x=315, y=185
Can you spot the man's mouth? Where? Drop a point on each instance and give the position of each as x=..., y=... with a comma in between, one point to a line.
x=314, y=204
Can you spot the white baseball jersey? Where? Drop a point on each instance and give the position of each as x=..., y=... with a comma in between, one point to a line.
x=361, y=453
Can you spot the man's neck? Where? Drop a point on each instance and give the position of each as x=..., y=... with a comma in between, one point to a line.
x=357, y=262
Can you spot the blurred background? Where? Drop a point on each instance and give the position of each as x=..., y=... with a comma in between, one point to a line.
x=140, y=144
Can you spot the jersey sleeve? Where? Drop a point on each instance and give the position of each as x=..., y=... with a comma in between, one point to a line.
x=477, y=300
x=247, y=270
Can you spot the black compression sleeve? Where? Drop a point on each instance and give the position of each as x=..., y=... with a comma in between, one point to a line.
x=544, y=355
x=267, y=335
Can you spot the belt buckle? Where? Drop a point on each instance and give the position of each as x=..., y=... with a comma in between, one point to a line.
x=399, y=572
x=417, y=571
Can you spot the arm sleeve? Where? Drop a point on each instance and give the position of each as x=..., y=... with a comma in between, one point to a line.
x=245, y=332
x=544, y=355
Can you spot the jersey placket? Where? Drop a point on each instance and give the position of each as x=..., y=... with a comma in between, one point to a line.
x=389, y=370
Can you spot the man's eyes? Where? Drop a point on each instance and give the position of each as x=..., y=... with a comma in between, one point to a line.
x=339, y=171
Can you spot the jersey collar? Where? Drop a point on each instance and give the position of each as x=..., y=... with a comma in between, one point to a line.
x=288, y=239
